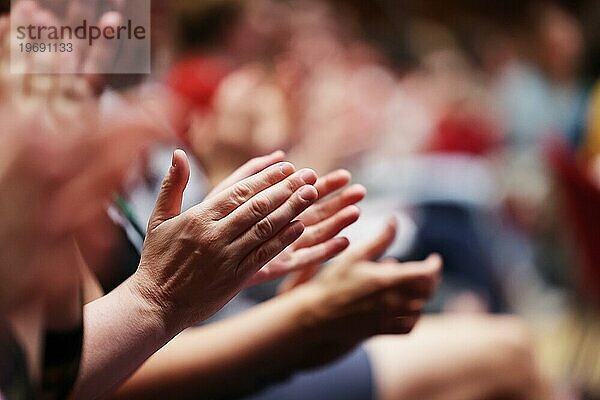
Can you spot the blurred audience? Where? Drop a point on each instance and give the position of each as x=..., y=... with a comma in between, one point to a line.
x=150, y=249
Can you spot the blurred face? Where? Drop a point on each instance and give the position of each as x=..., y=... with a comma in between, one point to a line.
x=561, y=44
x=249, y=118
x=260, y=31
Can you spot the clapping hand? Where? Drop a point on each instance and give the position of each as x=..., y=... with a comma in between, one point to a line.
x=194, y=262
x=322, y=221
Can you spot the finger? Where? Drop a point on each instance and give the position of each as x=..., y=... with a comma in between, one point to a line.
x=257, y=208
x=80, y=10
x=375, y=249
x=4, y=42
x=170, y=197
x=269, y=226
x=395, y=303
x=252, y=167
x=329, y=228
x=103, y=52
x=235, y=196
x=22, y=13
x=4, y=24
x=302, y=260
x=44, y=62
x=414, y=280
x=320, y=253
x=297, y=279
x=326, y=209
x=332, y=182
x=267, y=251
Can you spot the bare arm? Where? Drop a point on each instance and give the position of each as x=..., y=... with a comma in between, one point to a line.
x=192, y=263
x=308, y=326
x=121, y=332
x=202, y=362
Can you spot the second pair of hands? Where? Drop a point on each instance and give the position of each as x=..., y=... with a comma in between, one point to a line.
x=256, y=226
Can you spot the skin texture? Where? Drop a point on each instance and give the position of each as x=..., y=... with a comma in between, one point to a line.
x=108, y=361
x=323, y=222
x=88, y=164
x=192, y=264
x=307, y=326
x=235, y=232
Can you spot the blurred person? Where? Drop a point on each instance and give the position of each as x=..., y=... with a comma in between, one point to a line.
x=116, y=365
x=41, y=116
x=54, y=117
x=139, y=297
x=240, y=109
x=234, y=31
x=177, y=163
x=541, y=93
x=439, y=123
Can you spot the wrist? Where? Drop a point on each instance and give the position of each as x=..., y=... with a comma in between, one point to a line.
x=152, y=304
x=309, y=300
x=321, y=338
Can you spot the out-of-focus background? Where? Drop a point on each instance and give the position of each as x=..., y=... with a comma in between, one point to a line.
x=477, y=123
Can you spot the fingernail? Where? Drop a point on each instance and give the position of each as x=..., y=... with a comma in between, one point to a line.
x=308, y=193
x=286, y=168
x=308, y=176
x=345, y=173
x=278, y=153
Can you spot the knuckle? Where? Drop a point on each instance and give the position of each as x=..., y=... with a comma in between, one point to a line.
x=241, y=193
x=320, y=212
x=221, y=208
x=292, y=184
x=275, y=174
x=261, y=256
x=260, y=207
x=300, y=203
x=264, y=229
x=297, y=204
x=166, y=184
x=285, y=238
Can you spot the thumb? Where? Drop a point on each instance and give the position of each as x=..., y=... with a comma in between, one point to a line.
x=170, y=197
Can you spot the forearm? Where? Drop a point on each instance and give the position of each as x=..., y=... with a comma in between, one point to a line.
x=260, y=346
x=121, y=332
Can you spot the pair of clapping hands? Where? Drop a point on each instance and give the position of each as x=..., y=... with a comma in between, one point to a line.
x=60, y=164
x=265, y=221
